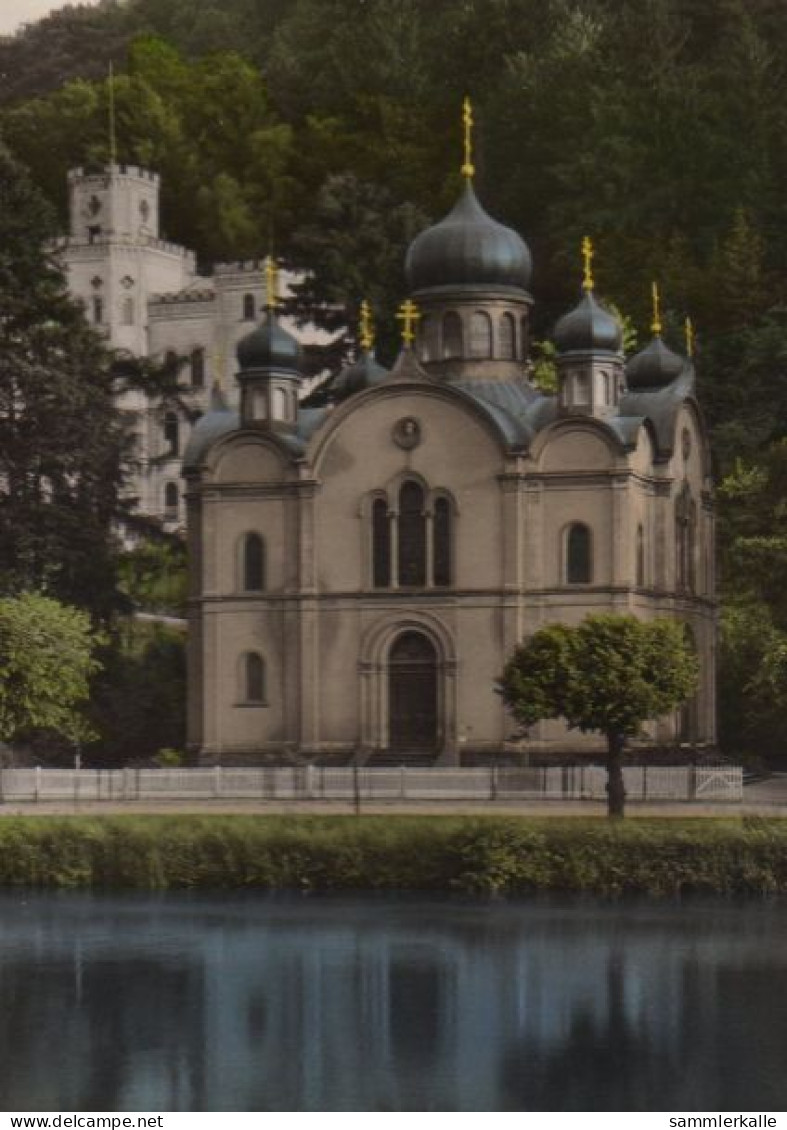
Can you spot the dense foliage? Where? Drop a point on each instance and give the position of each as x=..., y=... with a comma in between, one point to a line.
x=46, y=662
x=487, y=855
x=609, y=674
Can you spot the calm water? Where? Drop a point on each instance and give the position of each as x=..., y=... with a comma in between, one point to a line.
x=329, y=1004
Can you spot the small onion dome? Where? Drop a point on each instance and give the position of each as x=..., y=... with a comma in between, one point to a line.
x=588, y=328
x=363, y=373
x=655, y=366
x=468, y=248
x=269, y=346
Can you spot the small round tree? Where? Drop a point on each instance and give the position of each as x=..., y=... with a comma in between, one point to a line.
x=610, y=673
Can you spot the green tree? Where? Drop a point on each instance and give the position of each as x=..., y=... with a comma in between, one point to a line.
x=46, y=663
x=61, y=441
x=610, y=674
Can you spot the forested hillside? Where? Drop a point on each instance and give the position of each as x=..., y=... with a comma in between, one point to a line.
x=330, y=131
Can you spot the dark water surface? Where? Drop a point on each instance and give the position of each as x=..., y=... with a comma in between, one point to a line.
x=181, y=1003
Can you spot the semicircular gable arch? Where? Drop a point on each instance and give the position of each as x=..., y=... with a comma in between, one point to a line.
x=578, y=444
x=248, y=457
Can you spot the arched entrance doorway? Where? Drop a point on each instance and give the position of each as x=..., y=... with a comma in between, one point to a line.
x=412, y=693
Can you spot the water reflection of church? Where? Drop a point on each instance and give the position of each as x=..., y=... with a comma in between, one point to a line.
x=362, y=571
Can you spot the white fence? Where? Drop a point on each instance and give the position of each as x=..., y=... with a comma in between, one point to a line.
x=316, y=783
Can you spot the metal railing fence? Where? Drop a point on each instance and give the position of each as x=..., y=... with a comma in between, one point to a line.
x=317, y=783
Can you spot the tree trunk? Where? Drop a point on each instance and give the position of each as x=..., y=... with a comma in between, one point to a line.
x=616, y=790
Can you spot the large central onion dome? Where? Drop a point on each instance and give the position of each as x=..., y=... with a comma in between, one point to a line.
x=468, y=249
x=588, y=328
x=269, y=346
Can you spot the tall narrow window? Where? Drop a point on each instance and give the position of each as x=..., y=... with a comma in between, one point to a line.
x=412, y=536
x=441, y=532
x=381, y=544
x=98, y=309
x=685, y=540
x=452, y=336
x=640, y=550
x=253, y=563
x=172, y=433
x=507, y=337
x=171, y=500
x=279, y=404
x=197, y=362
x=254, y=678
x=127, y=312
x=249, y=311
x=480, y=335
x=578, y=555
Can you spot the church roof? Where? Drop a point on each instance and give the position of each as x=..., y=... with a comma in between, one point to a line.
x=468, y=249
x=218, y=421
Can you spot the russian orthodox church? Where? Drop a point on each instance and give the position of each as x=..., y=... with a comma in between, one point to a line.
x=147, y=297
x=361, y=572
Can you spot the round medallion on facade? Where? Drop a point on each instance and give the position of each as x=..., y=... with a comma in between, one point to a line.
x=407, y=433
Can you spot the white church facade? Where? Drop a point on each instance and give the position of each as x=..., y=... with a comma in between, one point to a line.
x=361, y=572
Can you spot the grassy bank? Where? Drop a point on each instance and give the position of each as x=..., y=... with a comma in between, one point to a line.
x=478, y=854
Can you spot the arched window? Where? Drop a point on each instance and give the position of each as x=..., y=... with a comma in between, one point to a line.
x=127, y=312
x=453, y=345
x=279, y=404
x=441, y=532
x=581, y=389
x=197, y=362
x=253, y=563
x=381, y=544
x=507, y=337
x=685, y=540
x=412, y=535
x=98, y=309
x=253, y=677
x=171, y=362
x=428, y=336
x=579, y=569
x=249, y=308
x=172, y=433
x=480, y=335
x=171, y=499
x=640, y=551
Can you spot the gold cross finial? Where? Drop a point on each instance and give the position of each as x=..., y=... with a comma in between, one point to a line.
x=366, y=336
x=271, y=283
x=408, y=315
x=587, y=256
x=468, y=168
x=656, y=323
x=689, y=327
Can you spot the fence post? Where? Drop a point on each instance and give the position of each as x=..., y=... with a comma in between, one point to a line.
x=692, y=782
x=356, y=791
x=38, y=784
x=644, y=782
x=217, y=780
x=402, y=782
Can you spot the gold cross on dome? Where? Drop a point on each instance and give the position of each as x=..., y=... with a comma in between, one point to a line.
x=271, y=283
x=689, y=327
x=656, y=323
x=408, y=315
x=468, y=168
x=587, y=256
x=366, y=335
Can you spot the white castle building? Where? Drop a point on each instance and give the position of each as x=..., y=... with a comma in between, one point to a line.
x=147, y=297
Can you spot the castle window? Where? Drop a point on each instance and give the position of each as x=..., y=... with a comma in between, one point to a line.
x=480, y=335
x=253, y=678
x=640, y=550
x=507, y=337
x=127, y=312
x=579, y=569
x=381, y=544
x=253, y=563
x=453, y=345
x=412, y=536
x=249, y=308
x=98, y=309
x=197, y=362
x=94, y=233
x=172, y=433
x=441, y=532
x=171, y=500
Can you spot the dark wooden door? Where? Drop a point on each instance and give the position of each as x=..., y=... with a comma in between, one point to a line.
x=413, y=693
